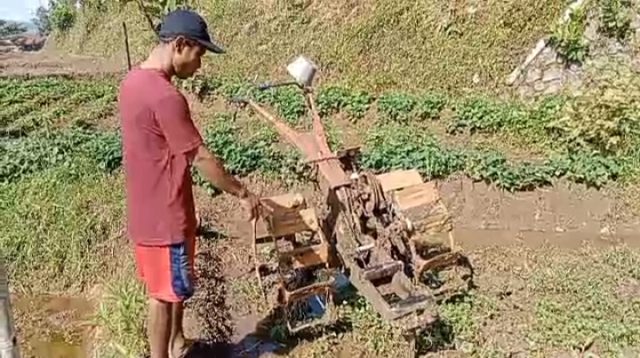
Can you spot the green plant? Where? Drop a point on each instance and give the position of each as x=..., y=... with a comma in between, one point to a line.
x=568, y=37
x=480, y=114
x=120, y=316
x=615, y=18
x=63, y=15
x=335, y=99
x=399, y=147
x=396, y=106
x=430, y=105
x=25, y=156
x=288, y=101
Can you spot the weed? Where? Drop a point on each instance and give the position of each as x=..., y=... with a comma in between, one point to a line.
x=120, y=316
x=606, y=117
x=587, y=302
x=371, y=334
x=568, y=37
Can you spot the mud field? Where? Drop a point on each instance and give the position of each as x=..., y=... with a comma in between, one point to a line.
x=536, y=254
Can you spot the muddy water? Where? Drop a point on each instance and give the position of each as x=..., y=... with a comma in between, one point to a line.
x=53, y=326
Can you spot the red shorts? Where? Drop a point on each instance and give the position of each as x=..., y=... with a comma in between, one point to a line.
x=167, y=271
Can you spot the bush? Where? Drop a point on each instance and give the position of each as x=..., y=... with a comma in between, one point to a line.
x=63, y=16
x=606, y=117
x=336, y=99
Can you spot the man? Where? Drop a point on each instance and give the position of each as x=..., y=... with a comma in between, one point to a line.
x=160, y=143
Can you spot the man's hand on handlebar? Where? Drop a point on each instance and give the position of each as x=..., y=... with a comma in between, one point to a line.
x=251, y=203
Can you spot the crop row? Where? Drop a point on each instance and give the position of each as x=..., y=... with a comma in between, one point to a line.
x=390, y=143
x=37, y=103
x=604, y=118
x=387, y=147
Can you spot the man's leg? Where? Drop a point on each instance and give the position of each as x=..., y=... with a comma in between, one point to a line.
x=178, y=344
x=159, y=267
x=159, y=329
x=184, y=288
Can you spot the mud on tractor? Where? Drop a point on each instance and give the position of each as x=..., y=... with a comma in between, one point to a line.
x=389, y=234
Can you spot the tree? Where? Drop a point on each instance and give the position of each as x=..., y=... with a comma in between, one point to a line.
x=42, y=20
x=9, y=28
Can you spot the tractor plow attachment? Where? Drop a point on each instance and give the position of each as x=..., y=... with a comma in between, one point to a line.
x=389, y=234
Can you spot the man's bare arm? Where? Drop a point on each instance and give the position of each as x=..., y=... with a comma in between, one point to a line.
x=213, y=170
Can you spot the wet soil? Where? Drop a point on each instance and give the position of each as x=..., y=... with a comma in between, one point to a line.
x=53, y=326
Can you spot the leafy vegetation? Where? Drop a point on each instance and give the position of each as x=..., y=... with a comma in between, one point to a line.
x=606, y=117
x=335, y=99
x=568, y=37
x=30, y=104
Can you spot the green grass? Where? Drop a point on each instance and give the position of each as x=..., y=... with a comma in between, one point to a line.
x=594, y=300
x=372, y=45
x=58, y=227
x=120, y=316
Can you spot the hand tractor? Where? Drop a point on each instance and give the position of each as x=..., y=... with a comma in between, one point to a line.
x=389, y=234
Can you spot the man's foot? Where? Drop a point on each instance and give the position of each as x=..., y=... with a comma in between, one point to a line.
x=180, y=348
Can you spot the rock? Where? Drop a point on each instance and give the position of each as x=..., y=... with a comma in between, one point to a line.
x=550, y=56
x=553, y=87
x=476, y=79
x=552, y=74
x=539, y=86
x=250, y=28
x=533, y=75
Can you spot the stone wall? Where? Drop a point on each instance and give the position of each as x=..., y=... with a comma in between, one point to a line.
x=544, y=72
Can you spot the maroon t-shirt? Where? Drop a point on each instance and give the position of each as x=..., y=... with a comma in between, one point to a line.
x=159, y=139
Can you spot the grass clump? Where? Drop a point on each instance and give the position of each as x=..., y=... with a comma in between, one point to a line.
x=605, y=117
x=120, y=316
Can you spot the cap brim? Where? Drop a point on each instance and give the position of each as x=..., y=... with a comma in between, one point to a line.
x=211, y=46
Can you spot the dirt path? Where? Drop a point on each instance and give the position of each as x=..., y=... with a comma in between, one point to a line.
x=53, y=62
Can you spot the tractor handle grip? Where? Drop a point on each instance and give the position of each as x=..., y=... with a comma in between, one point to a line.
x=268, y=85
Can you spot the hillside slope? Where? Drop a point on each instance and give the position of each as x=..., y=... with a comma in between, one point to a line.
x=373, y=44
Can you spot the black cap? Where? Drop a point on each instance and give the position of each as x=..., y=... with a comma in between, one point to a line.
x=190, y=25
